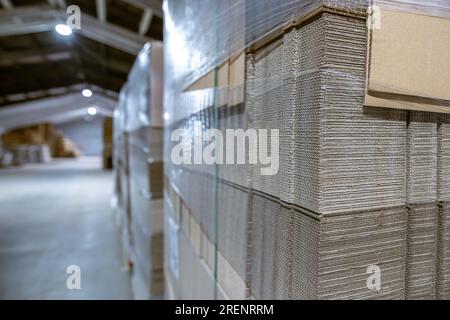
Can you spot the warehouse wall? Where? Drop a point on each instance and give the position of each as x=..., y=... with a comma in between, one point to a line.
x=86, y=133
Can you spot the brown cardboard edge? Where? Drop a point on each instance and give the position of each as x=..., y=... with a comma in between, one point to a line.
x=298, y=22
x=276, y=33
x=372, y=101
x=377, y=97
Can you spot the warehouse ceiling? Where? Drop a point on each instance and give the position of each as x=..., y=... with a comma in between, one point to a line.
x=37, y=63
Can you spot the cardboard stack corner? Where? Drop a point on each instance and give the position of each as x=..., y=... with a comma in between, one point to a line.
x=408, y=62
x=363, y=175
x=37, y=144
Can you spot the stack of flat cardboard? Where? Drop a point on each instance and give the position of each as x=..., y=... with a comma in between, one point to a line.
x=146, y=214
x=443, y=257
x=443, y=194
x=422, y=251
x=356, y=195
x=143, y=109
x=341, y=161
x=423, y=211
x=443, y=183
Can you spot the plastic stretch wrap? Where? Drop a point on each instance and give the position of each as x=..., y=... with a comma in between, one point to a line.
x=138, y=93
x=140, y=171
x=345, y=170
x=201, y=35
x=120, y=173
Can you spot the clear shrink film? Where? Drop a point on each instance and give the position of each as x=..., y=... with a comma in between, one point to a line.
x=138, y=87
x=199, y=36
x=120, y=111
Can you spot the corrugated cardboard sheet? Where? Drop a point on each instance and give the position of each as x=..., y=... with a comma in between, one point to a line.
x=409, y=62
x=443, y=261
x=421, y=251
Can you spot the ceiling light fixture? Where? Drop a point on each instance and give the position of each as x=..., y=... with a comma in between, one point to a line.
x=92, y=111
x=86, y=93
x=63, y=29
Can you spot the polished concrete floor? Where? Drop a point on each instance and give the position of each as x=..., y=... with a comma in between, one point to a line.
x=53, y=216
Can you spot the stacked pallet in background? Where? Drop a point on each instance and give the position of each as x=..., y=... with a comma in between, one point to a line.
x=63, y=147
x=107, y=154
x=121, y=179
x=139, y=172
x=360, y=191
x=37, y=144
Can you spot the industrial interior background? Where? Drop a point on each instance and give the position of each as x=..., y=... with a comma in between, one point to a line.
x=57, y=213
x=346, y=197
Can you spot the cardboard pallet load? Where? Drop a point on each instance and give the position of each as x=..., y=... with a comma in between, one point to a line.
x=121, y=178
x=443, y=161
x=443, y=253
x=107, y=153
x=139, y=172
x=362, y=145
x=37, y=144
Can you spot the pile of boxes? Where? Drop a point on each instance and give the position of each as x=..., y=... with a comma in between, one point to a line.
x=37, y=144
x=139, y=169
x=362, y=186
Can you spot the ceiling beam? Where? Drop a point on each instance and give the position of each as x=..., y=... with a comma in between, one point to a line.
x=109, y=81
x=56, y=91
x=35, y=56
x=146, y=21
x=59, y=53
x=112, y=35
x=25, y=27
x=7, y=4
x=68, y=77
x=154, y=5
x=101, y=10
x=76, y=114
x=45, y=18
x=39, y=110
x=62, y=4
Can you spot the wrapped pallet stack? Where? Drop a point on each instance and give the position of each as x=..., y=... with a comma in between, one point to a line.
x=121, y=180
x=140, y=171
x=107, y=153
x=347, y=196
x=37, y=144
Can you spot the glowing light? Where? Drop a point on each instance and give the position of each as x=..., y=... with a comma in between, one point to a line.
x=166, y=116
x=87, y=93
x=92, y=111
x=63, y=29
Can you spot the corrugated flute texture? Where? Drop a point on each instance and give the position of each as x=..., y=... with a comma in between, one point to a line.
x=422, y=251
x=336, y=155
x=355, y=195
x=443, y=261
x=298, y=255
x=443, y=183
x=422, y=157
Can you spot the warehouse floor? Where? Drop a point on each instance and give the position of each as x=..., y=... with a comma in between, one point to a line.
x=53, y=216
